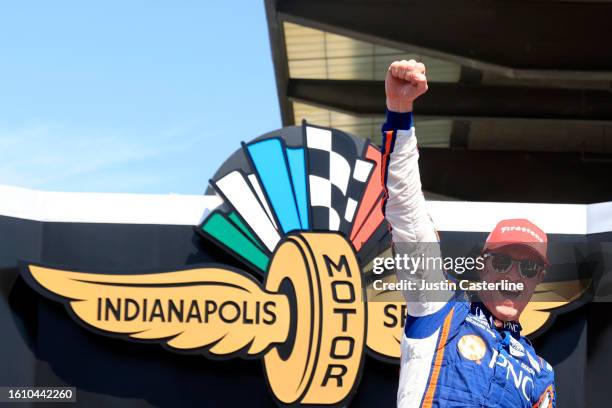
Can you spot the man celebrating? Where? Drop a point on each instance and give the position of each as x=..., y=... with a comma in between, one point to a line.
x=458, y=353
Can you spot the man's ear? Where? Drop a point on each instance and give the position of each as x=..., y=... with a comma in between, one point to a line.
x=541, y=275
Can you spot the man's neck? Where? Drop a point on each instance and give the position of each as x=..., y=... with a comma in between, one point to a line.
x=514, y=327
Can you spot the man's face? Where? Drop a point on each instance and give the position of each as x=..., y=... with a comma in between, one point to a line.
x=508, y=306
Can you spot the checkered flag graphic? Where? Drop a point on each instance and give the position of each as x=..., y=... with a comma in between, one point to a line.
x=337, y=178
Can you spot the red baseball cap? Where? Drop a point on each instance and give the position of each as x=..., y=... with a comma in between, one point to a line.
x=518, y=232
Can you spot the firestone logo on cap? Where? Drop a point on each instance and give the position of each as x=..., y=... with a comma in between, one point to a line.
x=515, y=230
x=518, y=231
x=524, y=230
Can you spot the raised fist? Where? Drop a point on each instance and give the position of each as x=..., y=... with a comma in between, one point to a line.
x=405, y=82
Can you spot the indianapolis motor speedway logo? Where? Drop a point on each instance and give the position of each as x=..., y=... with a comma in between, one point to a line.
x=303, y=213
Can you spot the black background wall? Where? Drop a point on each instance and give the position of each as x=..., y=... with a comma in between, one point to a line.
x=42, y=345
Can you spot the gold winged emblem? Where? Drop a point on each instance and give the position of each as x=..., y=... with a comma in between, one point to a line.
x=311, y=302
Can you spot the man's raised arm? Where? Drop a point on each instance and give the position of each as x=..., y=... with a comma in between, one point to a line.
x=412, y=228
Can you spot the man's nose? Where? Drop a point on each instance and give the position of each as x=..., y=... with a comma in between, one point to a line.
x=514, y=273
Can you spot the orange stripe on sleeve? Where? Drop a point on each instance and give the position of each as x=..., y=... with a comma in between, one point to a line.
x=548, y=392
x=433, y=381
x=385, y=158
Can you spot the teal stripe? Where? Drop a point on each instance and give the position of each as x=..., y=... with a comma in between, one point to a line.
x=229, y=235
x=233, y=217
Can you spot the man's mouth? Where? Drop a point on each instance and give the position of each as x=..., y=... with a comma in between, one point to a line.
x=510, y=294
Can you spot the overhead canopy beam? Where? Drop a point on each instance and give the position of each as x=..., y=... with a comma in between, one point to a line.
x=278, y=50
x=526, y=39
x=516, y=176
x=460, y=100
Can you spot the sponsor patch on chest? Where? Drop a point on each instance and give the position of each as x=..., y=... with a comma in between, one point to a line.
x=472, y=347
x=516, y=348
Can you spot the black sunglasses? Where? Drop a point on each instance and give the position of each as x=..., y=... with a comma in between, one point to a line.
x=502, y=263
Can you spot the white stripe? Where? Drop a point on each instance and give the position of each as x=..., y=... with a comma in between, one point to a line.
x=107, y=208
x=178, y=209
x=334, y=220
x=599, y=218
x=351, y=206
x=417, y=358
x=339, y=171
x=320, y=191
x=318, y=138
x=362, y=170
x=255, y=184
x=320, y=196
x=237, y=191
x=482, y=216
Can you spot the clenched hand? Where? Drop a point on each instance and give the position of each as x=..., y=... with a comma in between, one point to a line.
x=405, y=82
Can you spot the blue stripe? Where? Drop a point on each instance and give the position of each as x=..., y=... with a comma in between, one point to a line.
x=297, y=167
x=268, y=157
x=424, y=326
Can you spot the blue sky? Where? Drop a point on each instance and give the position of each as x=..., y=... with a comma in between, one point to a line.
x=130, y=96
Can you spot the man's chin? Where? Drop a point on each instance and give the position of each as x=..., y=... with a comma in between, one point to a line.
x=506, y=312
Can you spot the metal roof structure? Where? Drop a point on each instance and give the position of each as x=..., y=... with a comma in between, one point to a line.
x=519, y=107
